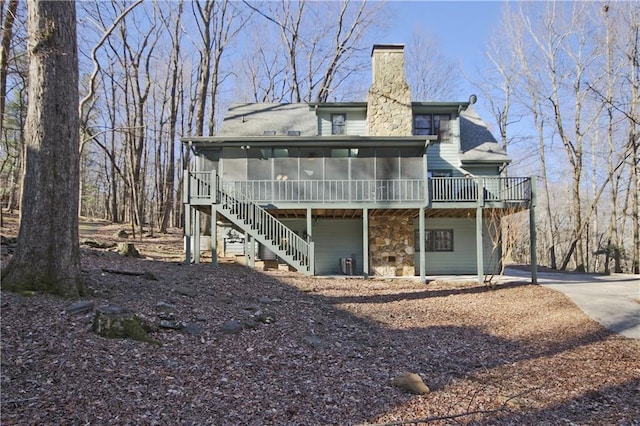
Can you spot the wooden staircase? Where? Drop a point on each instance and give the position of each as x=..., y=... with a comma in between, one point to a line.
x=266, y=229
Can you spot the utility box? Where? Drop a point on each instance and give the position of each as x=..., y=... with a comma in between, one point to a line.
x=205, y=243
x=347, y=265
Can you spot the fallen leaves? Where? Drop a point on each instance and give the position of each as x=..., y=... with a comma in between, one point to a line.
x=318, y=352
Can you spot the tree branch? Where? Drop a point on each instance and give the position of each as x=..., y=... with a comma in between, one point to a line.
x=500, y=409
x=96, y=64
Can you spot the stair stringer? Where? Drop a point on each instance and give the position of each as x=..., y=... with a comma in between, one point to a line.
x=267, y=230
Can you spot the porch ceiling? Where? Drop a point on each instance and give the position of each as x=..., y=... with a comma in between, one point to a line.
x=344, y=213
x=357, y=213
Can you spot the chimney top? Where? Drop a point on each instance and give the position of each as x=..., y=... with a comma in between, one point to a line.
x=392, y=46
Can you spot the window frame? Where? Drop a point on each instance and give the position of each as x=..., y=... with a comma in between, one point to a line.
x=418, y=129
x=440, y=173
x=342, y=127
x=434, y=127
x=430, y=242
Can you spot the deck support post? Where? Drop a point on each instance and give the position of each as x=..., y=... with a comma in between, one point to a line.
x=365, y=242
x=419, y=245
x=532, y=234
x=214, y=236
x=187, y=234
x=252, y=251
x=186, y=197
x=309, y=225
x=479, y=245
x=196, y=237
x=309, y=239
x=246, y=249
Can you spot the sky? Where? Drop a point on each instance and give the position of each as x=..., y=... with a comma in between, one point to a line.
x=463, y=27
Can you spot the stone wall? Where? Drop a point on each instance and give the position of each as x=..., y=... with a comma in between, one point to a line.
x=391, y=246
x=389, y=98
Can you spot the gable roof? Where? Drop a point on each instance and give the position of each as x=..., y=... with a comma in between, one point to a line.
x=477, y=144
x=244, y=119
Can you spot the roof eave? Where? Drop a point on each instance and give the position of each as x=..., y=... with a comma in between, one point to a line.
x=486, y=161
x=354, y=141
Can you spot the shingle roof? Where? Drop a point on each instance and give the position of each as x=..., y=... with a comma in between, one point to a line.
x=476, y=141
x=244, y=119
x=254, y=119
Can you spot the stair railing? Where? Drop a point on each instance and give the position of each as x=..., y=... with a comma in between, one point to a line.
x=265, y=227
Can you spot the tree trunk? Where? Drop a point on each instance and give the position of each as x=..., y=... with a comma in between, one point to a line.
x=47, y=256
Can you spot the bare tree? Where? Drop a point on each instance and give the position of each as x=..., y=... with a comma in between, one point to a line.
x=47, y=257
x=219, y=23
x=324, y=45
x=9, y=17
x=632, y=54
x=431, y=74
x=168, y=186
x=9, y=166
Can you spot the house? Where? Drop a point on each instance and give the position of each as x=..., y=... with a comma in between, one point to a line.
x=386, y=187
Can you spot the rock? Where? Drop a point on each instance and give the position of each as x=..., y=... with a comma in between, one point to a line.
x=116, y=322
x=165, y=307
x=193, y=329
x=96, y=244
x=81, y=307
x=128, y=249
x=166, y=311
x=250, y=324
x=231, y=327
x=315, y=342
x=167, y=316
x=264, y=317
x=149, y=276
x=410, y=382
x=185, y=291
x=266, y=300
x=121, y=234
x=171, y=325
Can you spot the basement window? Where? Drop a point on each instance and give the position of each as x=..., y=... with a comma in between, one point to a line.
x=437, y=240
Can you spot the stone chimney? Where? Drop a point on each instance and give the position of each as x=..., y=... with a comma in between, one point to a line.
x=389, y=99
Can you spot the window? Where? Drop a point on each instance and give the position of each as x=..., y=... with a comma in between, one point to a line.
x=422, y=124
x=432, y=124
x=436, y=240
x=440, y=173
x=338, y=124
x=441, y=127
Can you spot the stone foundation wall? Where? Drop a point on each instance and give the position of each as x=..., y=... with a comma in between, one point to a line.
x=391, y=246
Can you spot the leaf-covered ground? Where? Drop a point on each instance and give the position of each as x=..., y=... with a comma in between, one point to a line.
x=274, y=348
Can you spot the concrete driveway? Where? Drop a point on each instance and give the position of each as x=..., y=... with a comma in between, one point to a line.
x=612, y=300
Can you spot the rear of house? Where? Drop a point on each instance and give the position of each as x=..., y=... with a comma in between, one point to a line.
x=386, y=187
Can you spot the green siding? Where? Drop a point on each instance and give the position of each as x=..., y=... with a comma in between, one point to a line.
x=483, y=170
x=334, y=239
x=445, y=155
x=462, y=260
x=356, y=123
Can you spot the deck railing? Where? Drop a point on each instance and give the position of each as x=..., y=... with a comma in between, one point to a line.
x=441, y=189
x=330, y=191
x=507, y=189
x=252, y=218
